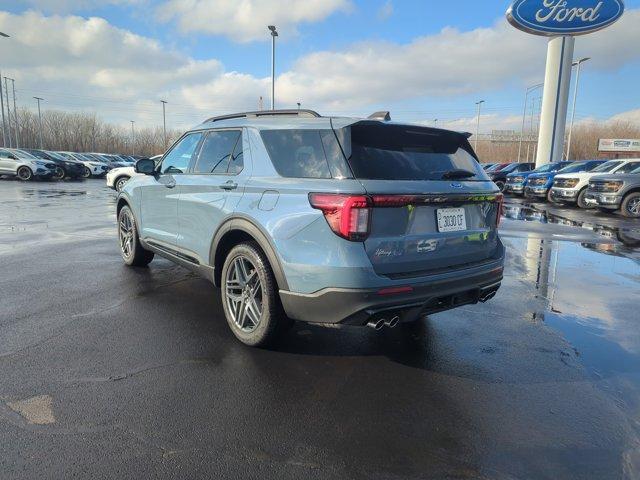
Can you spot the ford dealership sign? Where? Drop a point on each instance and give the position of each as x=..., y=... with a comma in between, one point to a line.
x=564, y=17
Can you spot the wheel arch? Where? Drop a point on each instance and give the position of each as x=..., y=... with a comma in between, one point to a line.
x=122, y=175
x=237, y=230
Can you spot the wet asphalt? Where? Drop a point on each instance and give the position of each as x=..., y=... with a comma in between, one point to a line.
x=113, y=372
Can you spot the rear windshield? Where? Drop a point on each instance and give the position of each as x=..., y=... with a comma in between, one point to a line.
x=378, y=151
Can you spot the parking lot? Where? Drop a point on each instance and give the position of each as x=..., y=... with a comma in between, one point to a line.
x=109, y=371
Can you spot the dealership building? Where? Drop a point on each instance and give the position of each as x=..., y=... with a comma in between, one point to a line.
x=618, y=148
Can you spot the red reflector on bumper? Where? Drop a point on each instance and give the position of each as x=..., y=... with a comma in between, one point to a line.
x=395, y=290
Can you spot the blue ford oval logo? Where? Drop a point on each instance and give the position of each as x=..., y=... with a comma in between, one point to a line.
x=564, y=17
x=456, y=185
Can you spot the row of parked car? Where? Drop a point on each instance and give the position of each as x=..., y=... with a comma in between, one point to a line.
x=29, y=164
x=607, y=185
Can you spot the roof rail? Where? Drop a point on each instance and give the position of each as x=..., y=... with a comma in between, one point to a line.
x=266, y=113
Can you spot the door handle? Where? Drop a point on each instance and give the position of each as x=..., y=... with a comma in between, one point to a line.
x=229, y=185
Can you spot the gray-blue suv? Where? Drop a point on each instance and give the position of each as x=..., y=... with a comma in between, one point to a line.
x=326, y=220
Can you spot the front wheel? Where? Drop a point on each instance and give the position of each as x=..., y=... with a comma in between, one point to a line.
x=120, y=183
x=25, y=173
x=59, y=173
x=580, y=200
x=250, y=296
x=631, y=205
x=500, y=185
x=86, y=173
x=132, y=252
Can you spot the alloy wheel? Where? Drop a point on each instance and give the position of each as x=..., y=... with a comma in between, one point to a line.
x=243, y=294
x=24, y=173
x=125, y=234
x=121, y=183
x=633, y=207
x=86, y=173
x=59, y=174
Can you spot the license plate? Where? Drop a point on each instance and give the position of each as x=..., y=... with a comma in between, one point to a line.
x=451, y=219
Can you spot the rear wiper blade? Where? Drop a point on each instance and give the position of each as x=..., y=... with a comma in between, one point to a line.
x=458, y=173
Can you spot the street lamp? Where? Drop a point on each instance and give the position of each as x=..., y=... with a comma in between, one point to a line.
x=524, y=114
x=4, y=126
x=133, y=136
x=479, y=104
x=164, y=124
x=435, y=123
x=39, y=119
x=274, y=34
x=575, y=97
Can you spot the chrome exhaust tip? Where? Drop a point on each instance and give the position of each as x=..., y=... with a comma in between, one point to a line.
x=376, y=324
x=487, y=296
x=393, y=322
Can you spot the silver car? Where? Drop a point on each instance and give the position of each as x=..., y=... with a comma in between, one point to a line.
x=23, y=165
x=325, y=220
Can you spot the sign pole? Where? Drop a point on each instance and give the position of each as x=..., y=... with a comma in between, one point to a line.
x=555, y=100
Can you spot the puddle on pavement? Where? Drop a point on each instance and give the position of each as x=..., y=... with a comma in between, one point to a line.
x=589, y=293
x=628, y=236
x=53, y=193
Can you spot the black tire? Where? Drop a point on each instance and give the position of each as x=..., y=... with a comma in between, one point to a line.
x=630, y=207
x=133, y=253
x=120, y=182
x=580, y=199
x=86, y=173
x=500, y=185
x=549, y=197
x=59, y=173
x=25, y=174
x=271, y=319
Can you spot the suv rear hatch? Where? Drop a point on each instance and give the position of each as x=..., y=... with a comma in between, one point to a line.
x=432, y=209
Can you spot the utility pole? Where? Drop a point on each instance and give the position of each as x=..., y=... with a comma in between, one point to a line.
x=575, y=98
x=435, y=123
x=39, y=119
x=274, y=34
x=164, y=123
x=260, y=103
x=524, y=114
x=133, y=138
x=479, y=104
x=6, y=95
x=299, y=106
x=15, y=113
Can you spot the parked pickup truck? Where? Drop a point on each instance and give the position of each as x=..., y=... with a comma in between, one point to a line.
x=616, y=191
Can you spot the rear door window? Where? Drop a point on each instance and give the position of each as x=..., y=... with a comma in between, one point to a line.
x=377, y=151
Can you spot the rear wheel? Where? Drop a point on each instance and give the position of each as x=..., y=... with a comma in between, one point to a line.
x=500, y=185
x=631, y=205
x=86, y=173
x=132, y=252
x=250, y=296
x=25, y=173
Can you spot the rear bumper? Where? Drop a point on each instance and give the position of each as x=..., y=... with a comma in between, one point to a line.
x=358, y=306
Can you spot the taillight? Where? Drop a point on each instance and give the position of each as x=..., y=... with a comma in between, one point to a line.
x=347, y=215
x=500, y=202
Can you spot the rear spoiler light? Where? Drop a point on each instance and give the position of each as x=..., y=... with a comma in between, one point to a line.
x=349, y=215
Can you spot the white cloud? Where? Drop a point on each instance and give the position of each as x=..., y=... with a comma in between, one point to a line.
x=247, y=20
x=385, y=11
x=64, y=6
x=632, y=116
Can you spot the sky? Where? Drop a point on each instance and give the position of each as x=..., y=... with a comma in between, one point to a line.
x=420, y=59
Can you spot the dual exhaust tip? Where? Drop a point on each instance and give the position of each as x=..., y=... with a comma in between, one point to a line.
x=378, y=323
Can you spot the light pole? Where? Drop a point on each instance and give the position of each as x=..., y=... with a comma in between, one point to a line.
x=479, y=104
x=39, y=119
x=298, y=106
x=524, y=114
x=274, y=34
x=435, y=123
x=6, y=96
x=4, y=131
x=575, y=98
x=15, y=112
x=133, y=138
x=164, y=124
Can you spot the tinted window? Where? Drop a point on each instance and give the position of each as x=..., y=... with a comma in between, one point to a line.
x=177, y=160
x=217, y=149
x=576, y=167
x=297, y=153
x=607, y=166
x=236, y=162
x=397, y=152
x=629, y=167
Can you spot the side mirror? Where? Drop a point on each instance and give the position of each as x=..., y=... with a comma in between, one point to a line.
x=146, y=166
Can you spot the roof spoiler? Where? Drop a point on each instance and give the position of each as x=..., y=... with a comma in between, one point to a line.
x=466, y=135
x=383, y=116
